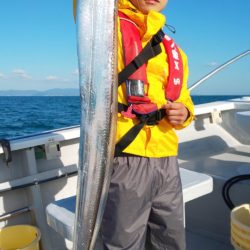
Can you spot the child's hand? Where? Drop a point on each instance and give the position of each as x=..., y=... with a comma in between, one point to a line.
x=176, y=113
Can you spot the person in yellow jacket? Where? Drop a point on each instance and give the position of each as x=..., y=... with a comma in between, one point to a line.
x=145, y=207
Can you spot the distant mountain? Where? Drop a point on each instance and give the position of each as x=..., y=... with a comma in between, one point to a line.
x=49, y=92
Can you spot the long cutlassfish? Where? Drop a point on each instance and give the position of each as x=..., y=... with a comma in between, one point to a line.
x=97, y=60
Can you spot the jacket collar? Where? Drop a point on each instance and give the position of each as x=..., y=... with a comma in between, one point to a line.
x=148, y=24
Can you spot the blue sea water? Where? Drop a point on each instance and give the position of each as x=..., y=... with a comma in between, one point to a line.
x=25, y=115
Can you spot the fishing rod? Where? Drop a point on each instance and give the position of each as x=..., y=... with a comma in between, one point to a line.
x=213, y=72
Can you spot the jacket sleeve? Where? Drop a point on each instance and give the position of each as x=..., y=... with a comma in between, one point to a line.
x=185, y=97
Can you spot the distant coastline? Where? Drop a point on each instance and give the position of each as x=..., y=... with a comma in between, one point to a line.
x=49, y=92
x=75, y=92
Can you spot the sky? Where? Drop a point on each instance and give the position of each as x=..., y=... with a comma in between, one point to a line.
x=38, y=43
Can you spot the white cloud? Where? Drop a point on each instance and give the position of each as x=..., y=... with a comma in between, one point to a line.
x=51, y=78
x=212, y=64
x=2, y=76
x=75, y=72
x=21, y=73
x=65, y=80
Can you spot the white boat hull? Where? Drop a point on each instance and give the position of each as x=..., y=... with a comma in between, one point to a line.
x=216, y=144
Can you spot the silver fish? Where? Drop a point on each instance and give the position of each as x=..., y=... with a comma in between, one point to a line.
x=97, y=60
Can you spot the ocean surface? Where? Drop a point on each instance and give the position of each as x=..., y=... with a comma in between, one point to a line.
x=26, y=115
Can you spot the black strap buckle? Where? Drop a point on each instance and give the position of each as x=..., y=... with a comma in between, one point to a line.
x=152, y=118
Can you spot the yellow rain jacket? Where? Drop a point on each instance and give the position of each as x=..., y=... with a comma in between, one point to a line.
x=159, y=140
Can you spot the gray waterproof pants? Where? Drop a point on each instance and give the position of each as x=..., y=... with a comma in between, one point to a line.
x=144, y=208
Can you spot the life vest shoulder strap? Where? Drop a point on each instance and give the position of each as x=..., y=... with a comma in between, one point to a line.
x=130, y=34
x=136, y=57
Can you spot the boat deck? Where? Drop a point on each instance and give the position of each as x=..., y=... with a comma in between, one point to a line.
x=215, y=152
x=208, y=218
x=220, y=162
x=196, y=241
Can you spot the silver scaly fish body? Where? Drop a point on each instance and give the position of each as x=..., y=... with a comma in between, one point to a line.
x=97, y=58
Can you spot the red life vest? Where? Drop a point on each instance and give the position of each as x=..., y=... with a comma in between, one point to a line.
x=132, y=46
x=135, y=76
